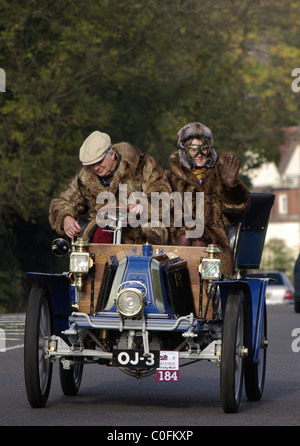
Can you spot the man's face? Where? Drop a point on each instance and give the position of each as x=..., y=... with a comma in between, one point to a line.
x=106, y=166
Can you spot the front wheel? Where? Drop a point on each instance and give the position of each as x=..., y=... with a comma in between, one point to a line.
x=232, y=357
x=37, y=367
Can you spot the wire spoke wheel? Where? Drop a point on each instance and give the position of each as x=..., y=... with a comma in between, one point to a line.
x=70, y=379
x=232, y=359
x=37, y=367
x=255, y=372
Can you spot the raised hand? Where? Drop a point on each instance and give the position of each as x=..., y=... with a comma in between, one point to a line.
x=230, y=168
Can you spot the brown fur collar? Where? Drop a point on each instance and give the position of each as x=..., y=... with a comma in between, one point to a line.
x=186, y=174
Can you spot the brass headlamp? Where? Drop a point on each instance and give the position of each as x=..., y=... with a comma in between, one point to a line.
x=80, y=262
x=130, y=300
x=210, y=268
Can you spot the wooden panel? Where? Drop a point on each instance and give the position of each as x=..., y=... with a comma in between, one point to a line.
x=103, y=251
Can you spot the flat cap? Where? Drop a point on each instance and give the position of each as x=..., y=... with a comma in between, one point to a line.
x=94, y=147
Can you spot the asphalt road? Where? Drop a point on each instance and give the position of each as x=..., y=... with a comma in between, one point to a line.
x=109, y=398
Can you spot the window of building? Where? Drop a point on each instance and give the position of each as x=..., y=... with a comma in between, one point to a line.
x=282, y=204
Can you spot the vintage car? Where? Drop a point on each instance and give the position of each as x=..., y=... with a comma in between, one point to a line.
x=147, y=309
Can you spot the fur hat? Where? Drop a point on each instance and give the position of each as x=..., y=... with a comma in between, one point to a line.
x=94, y=147
x=193, y=130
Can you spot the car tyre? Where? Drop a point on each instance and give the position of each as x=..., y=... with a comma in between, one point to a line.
x=70, y=379
x=255, y=372
x=37, y=368
x=297, y=306
x=232, y=360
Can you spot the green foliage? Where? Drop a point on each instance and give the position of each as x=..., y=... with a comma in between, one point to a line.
x=11, y=276
x=277, y=255
x=138, y=70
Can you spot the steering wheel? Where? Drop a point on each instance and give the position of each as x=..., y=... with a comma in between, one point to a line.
x=122, y=214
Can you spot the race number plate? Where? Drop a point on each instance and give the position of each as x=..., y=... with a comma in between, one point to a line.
x=135, y=358
x=168, y=370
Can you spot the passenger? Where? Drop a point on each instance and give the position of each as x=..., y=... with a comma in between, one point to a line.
x=195, y=167
x=104, y=168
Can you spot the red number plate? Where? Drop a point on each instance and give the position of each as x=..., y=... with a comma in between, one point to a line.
x=167, y=375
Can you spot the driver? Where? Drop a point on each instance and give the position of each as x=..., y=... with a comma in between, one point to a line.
x=196, y=167
x=104, y=168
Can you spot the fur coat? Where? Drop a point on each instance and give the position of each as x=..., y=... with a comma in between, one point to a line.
x=139, y=172
x=221, y=204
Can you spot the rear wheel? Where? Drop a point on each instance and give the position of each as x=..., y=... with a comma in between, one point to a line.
x=38, y=368
x=255, y=372
x=232, y=359
x=70, y=379
x=297, y=306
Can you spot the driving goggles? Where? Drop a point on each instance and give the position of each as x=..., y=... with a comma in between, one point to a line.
x=194, y=149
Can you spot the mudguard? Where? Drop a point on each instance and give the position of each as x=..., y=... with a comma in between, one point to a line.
x=254, y=290
x=58, y=291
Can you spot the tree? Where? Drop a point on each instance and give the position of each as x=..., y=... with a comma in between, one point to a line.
x=278, y=256
x=138, y=70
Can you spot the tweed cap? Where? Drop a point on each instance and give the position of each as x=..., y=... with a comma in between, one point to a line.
x=193, y=130
x=94, y=147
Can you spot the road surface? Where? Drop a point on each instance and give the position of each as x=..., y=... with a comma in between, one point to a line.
x=112, y=399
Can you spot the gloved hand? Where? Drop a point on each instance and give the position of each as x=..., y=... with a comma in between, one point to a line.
x=230, y=168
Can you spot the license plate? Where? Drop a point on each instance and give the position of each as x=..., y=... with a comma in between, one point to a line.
x=135, y=358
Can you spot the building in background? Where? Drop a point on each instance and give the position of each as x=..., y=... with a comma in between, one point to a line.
x=284, y=181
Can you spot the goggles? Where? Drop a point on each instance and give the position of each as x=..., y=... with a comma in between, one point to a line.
x=194, y=149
